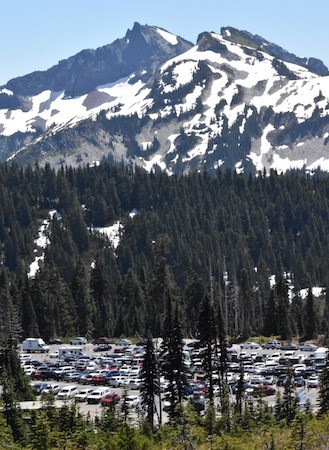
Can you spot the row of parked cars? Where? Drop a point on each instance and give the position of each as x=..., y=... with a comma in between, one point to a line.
x=275, y=345
x=102, y=395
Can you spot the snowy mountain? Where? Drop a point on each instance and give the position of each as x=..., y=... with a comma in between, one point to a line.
x=232, y=100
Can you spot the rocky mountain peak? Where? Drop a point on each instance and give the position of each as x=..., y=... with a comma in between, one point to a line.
x=143, y=48
x=257, y=42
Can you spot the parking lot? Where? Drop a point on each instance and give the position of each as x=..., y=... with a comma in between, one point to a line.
x=117, y=369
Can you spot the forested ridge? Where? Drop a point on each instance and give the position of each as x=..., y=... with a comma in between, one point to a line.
x=232, y=229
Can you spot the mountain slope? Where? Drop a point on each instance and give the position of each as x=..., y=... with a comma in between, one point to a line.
x=227, y=101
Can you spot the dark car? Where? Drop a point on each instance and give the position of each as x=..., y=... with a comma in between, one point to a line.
x=102, y=347
x=45, y=374
x=299, y=381
x=272, y=345
x=39, y=387
x=289, y=346
x=281, y=380
x=72, y=377
x=188, y=390
x=35, y=363
x=55, y=341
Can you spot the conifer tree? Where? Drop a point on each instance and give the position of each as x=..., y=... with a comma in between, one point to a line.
x=310, y=317
x=173, y=366
x=283, y=305
x=207, y=337
x=290, y=400
x=150, y=382
x=323, y=396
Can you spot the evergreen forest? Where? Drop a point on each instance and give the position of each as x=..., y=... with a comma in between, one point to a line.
x=233, y=232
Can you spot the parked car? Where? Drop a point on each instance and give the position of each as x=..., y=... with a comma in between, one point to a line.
x=272, y=345
x=102, y=340
x=39, y=388
x=81, y=396
x=123, y=342
x=135, y=383
x=45, y=374
x=299, y=381
x=87, y=378
x=99, y=379
x=281, y=380
x=262, y=391
x=269, y=380
x=96, y=395
x=64, y=370
x=55, y=341
x=78, y=341
x=72, y=377
x=67, y=392
x=308, y=347
x=289, y=346
x=131, y=401
x=110, y=399
x=250, y=345
x=52, y=388
x=313, y=381
x=199, y=401
x=102, y=347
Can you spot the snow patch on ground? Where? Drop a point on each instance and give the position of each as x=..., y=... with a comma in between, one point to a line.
x=113, y=233
x=316, y=291
x=42, y=242
x=238, y=168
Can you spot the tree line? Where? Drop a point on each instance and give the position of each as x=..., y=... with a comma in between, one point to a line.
x=240, y=229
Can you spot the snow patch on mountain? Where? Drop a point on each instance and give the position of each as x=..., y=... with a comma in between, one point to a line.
x=322, y=162
x=171, y=38
x=265, y=147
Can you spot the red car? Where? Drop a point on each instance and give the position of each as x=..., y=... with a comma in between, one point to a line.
x=263, y=391
x=99, y=380
x=102, y=340
x=110, y=399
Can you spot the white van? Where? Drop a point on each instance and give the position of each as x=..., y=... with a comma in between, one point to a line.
x=33, y=345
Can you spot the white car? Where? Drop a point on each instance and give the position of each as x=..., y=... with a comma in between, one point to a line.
x=97, y=394
x=313, y=381
x=78, y=341
x=250, y=345
x=118, y=381
x=123, y=342
x=28, y=369
x=131, y=401
x=53, y=388
x=81, y=396
x=135, y=383
x=67, y=392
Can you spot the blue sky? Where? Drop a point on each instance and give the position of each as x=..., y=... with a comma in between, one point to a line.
x=36, y=34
